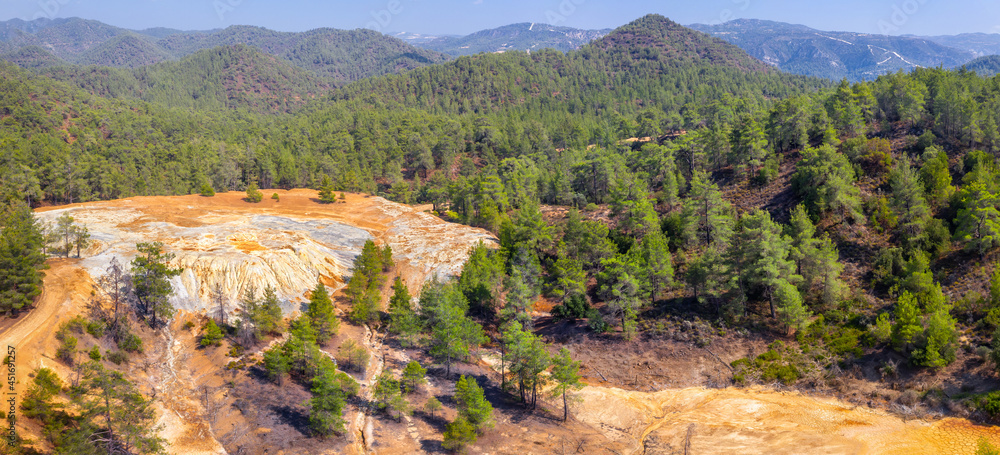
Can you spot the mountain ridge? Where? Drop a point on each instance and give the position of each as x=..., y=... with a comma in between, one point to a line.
x=341, y=55
x=834, y=55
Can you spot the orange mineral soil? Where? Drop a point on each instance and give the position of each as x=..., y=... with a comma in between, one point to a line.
x=225, y=242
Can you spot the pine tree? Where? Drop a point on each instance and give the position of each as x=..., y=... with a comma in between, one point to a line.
x=413, y=376
x=248, y=332
x=432, y=405
x=151, y=282
x=326, y=191
x=81, y=238
x=566, y=374
x=327, y=404
x=568, y=277
x=253, y=193
x=321, y=315
x=759, y=256
x=909, y=204
x=481, y=278
x=453, y=334
x=21, y=259
x=825, y=179
x=366, y=282
x=121, y=419
x=403, y=320
x=790, y=309
x=907, y=322
x=621, y=284
x=979, y=218
x=935, y=176
x=458, y=434
x=708, y=216
x=938, y=348
x=212, y=334
x=268, y=317
x=472, y=403
x=64, y=230
x=657, y=264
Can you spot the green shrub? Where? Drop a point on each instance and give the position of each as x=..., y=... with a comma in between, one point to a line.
x=253, y=194
x=207, y=190
x=353, y=356
x=117, y=357
x=67, y=349
x=97, y=328
x=95, y=354
x=990, y=404
x=276, y=197
x=212, y=334
x=787, y=374
x=131, y=343
x=575, y=307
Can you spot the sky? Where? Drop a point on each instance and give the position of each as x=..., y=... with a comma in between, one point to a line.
x=459, y=17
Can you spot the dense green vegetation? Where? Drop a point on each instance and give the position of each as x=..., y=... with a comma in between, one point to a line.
x=339, y=56
x=838, y=221
x=227, y=77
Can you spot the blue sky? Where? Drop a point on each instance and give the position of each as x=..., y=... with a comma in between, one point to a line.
x=920, y=17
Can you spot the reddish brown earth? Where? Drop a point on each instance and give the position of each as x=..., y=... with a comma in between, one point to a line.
x=645, y=396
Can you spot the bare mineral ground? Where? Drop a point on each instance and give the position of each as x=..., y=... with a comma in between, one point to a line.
x=225, y=242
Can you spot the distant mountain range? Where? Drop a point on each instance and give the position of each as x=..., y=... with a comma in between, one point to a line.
x=525, y=36
x=835, y=55
x=980, y=44
x=340, y=55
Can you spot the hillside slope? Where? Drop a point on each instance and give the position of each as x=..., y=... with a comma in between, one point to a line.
x=985, y=66
x=227, y=77
x=834, y=55
x=341, y=55
x=515, y=37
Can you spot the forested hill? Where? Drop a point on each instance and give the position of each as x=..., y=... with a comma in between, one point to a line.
x=650, y=64
x=985, y=66
x=341, y=55
x=640, y=81
x=835, y=55
x=226, y=77
x=525, y=36
x=344, y=55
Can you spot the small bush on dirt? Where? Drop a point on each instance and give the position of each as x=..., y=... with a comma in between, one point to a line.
x=67, y=349
x=117, y=357
x=96, y=328
x=235, y=351
x=131, y=343
x=989, y=403
x=353, y=356
x=207, y=190
x=253, y=194
x=212, y=334
x=575, y=307
x=276, y=197
x=787, y=374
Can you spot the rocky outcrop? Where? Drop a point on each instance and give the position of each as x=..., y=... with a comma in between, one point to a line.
x=224, y=243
